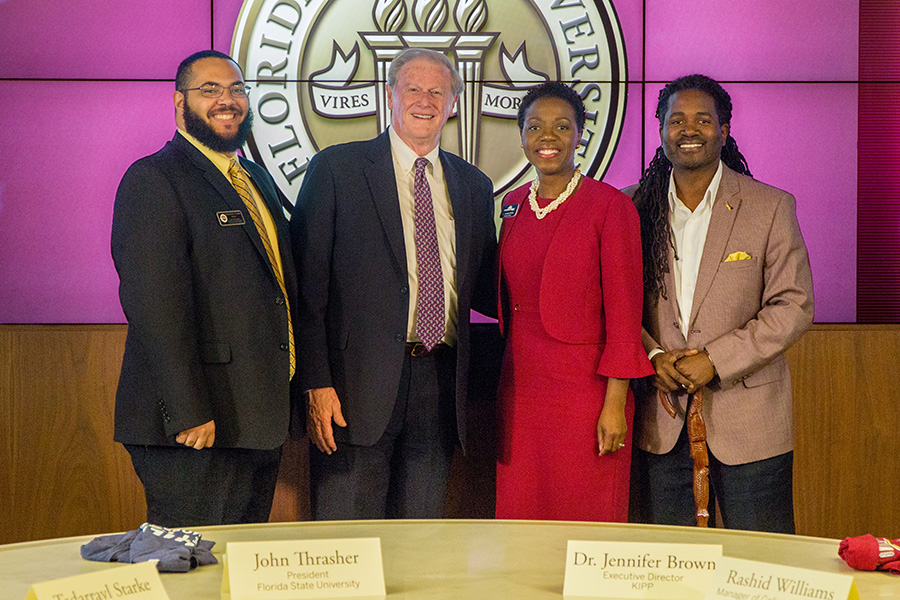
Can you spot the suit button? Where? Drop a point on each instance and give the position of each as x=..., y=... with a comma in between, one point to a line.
x=284, y=347
x=675, y=325
x=400, y=338
x=404, y=289
x=279, y=300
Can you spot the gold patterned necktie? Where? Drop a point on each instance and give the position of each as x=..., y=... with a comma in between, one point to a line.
x=242, y=186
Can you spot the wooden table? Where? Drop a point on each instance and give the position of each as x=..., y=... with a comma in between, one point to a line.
x=444, y=559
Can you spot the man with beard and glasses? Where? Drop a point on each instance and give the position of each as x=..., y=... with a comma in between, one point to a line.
x=201, y=245
x=727, y=289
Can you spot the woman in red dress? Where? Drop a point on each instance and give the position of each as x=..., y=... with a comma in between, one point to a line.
x=570, y=306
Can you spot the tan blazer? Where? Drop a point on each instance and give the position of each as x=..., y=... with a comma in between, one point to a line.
x=747, y=311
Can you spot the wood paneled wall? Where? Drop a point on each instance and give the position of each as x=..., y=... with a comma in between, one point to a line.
x=846, y=381
x=61, y=474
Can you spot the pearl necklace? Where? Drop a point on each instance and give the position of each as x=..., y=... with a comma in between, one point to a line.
x=539, y=212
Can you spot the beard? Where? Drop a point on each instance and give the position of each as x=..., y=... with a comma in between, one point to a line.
x=197, y=127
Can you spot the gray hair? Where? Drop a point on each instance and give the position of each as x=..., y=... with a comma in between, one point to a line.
x=410, y=54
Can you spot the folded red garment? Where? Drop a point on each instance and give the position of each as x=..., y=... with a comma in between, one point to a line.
x=868, y=553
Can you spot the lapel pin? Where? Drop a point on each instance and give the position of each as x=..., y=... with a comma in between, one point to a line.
x=509, y=210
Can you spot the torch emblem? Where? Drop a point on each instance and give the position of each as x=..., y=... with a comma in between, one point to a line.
x=320, y=71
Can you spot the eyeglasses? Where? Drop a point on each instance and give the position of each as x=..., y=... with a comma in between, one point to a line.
x=214, y=90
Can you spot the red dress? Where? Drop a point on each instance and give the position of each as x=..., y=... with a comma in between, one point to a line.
x=550, y=391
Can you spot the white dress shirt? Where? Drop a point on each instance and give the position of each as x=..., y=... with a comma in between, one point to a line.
x=689, y=230
x=405, y=171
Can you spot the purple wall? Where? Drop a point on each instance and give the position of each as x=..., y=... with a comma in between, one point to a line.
x=86, y=89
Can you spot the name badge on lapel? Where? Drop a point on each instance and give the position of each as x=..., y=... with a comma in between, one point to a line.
x=509, y=210
x=227, y=218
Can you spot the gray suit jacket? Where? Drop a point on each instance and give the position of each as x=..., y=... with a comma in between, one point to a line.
x=207, y=325
x=746, y=313
x=348, y=244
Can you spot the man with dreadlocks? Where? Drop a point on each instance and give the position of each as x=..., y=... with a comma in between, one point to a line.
x=727, y=290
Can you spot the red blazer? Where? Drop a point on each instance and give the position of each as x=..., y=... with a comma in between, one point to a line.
x=591, y=286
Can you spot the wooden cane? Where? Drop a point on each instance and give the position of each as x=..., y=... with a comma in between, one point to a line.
x=696, y=430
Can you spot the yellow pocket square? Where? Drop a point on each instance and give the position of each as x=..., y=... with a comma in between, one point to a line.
x=737, y=256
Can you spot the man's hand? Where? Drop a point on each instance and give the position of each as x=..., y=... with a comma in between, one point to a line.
x=668, y=377
x=324, y=407
x=199, y=437
x=698, y=368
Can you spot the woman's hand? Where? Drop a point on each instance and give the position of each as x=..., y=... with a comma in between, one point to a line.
x=612, y=426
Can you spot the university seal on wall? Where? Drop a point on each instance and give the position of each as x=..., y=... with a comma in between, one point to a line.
x=318, y=70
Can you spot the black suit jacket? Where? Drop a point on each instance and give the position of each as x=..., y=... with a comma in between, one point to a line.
x=347, y=236
x=207, y=325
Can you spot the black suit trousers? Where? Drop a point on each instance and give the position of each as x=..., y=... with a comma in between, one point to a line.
x=756, y=496
x=404, y=474
x=213, y=486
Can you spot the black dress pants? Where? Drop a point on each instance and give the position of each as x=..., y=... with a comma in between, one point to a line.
x=404, y=475
x=213, y=486
x=756, y=496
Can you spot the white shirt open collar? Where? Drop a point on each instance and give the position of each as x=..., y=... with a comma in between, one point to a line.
x=709, y=197
x=689, y=230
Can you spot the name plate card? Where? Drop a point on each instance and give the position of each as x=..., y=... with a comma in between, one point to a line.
x=134, y=582
x=738, y=579
x=301, y=569
x=638, y=570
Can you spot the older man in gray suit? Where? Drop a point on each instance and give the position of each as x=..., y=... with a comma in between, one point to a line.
x=728, y=290
x=394, y=241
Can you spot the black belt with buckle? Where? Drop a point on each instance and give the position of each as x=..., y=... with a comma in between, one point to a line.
x=418, y=349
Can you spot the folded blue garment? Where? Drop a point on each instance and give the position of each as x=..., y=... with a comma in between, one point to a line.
x=177, y=550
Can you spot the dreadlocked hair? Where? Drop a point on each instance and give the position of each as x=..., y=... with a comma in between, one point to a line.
x=651, y=198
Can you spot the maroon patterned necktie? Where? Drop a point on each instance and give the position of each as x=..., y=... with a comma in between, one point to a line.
x=430, y=302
